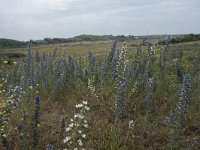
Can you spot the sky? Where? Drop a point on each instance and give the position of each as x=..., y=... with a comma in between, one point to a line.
x=37, y=19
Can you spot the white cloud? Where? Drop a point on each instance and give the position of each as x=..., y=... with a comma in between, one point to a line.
x=34, y=19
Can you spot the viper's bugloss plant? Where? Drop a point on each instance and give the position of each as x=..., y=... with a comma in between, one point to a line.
x=176, y=120
x=161, y=62
x=36, y=126
x=23, y=131
x=120, y=101
x=131, y=88
x=49, y=147
x=62, y=128
x=104, y=70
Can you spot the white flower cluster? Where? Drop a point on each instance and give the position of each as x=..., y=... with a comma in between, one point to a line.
x=150, y=82
x=123, y=61
x=83, y=106
x=76, y=127
x=152, y=50
x=134, y=87
x=125, y=67
x=91, y=86
x=131, y=124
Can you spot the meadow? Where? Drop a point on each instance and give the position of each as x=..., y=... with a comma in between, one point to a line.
x=105, y=95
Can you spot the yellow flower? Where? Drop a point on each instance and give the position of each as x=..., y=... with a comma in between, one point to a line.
x=1, y=85
x=30, y=87
x=37, y=84
x=1, y=92
x=3, y=104
x=5, y=61
x=37, y=92
x=3, y=79
x=4, y=135
x=4, y=91
x=5, y=122
x=38, y=125
x=14, y=62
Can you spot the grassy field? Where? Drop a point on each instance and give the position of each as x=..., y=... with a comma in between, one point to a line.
x=117, y=97
x=74, y=49
x=78, y=48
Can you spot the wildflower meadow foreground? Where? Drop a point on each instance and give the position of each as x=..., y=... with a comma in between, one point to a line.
x=146, y=97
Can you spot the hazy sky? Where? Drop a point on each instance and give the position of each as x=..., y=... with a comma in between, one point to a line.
x=36, y=19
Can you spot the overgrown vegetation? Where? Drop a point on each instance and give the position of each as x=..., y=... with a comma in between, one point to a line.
x=132, y=98
x=11, y=43
x=8, y=43
x=182, y=39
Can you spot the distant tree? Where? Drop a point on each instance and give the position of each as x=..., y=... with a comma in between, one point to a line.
x=8, y=43
x=48, y=40
x=184, y=38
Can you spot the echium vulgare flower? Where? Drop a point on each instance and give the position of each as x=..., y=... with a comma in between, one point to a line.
x=182, y=105
x=49, y=147
x=92, y=62
x=112, y=51
x=71, y=64
x=176, y=120
x=36, y=125
x=120, y=101
x=149, y=101
x=23, y=130
x=104, y=70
